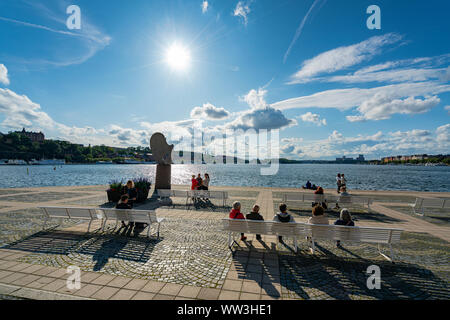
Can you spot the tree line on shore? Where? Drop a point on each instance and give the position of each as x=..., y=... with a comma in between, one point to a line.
x=18, y=146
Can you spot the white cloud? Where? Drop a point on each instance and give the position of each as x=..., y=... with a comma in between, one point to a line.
x=415, y=141
x=209, y=112
x=313, y=118
x=447, y=108
x=407, y=70
x=242, y=10
x=205, y=6
x=4, y=74
x=344, y=99
x=443, y=134
x=261, y=118
x=255, y=98
x=382, y=107
x=343, y=57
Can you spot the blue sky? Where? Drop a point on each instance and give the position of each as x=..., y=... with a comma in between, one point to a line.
x=310, y=68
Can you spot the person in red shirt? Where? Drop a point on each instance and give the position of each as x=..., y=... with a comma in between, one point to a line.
x=194, y=182
x=235, y=213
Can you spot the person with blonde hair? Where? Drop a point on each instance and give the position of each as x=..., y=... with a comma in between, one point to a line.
x=235, y=213
x=318, y=216
x=131, y=191
x=255, y=215
x=345, y=219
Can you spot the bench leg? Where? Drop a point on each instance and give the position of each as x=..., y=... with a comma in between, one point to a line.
x=157, y=232
x=89, y=226
x=148, y=230
x=313, y=246
x=45, y=223
x=391, y=258
x=295, y=244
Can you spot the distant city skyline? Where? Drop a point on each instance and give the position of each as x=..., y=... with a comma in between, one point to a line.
x=311, y=69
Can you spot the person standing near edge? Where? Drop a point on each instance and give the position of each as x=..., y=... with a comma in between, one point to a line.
x=338, y=183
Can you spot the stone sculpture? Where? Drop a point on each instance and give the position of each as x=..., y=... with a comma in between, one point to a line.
x=162, y=152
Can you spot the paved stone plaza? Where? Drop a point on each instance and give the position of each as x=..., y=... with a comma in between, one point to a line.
x=191, y=259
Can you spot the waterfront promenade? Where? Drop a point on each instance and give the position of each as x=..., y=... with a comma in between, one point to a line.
x=191, y=259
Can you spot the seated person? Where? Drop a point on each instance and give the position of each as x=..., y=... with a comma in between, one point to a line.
x=345, y=219
x=308, y=185
x=124, y=204
x=255, y=215
x=235, y=213
x=319, y=196
x=318, y=216
x=131, y=191
x=283, y=216
x=343, y=197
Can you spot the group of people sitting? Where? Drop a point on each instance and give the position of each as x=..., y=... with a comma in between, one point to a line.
x=318, y=217
x=199, y=183
x=127, y=201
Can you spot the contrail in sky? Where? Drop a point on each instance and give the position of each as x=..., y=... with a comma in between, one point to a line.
x=300, y=28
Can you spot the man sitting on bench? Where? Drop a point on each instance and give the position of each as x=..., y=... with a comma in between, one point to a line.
x=124, y=204
x=255, y=215
x=283, y=216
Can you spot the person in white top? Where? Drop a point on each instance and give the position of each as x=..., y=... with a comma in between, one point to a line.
x=206, y=182
x=338, y=182
x=343, y=181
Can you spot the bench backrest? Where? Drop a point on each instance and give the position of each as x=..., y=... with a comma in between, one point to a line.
x=263, y=227
x=328, y=232
x=432, y=203
x=72, y=213
x=360, y=234
x=165, y=193
x=131, y=215
x=318, y=198
x=209, y=194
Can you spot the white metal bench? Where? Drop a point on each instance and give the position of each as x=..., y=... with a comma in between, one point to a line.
x=293, y=230
x=75, y=213
x=168, y=193
x=376, y=235
x=423, y=203
x=314, y=232
x=223, y=195
x=319, y=198
x=131, y=215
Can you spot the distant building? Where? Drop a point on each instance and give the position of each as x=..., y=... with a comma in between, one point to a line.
x=34, y=136
x=361, y=158
x=344, y=159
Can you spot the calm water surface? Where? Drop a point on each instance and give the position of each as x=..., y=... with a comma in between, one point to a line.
x=362, y=177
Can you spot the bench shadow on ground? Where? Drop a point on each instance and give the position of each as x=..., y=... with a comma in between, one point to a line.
x=356, y=215
x=123, y=243
x=328, y=276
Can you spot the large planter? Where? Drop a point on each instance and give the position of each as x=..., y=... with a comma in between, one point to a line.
x=113, y=195
x=142, y=195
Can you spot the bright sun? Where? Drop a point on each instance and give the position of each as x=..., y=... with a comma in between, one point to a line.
x=178, y=57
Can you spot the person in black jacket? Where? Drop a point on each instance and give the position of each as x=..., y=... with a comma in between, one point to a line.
x=131, y=192
x=255, y=215
x=124, y=204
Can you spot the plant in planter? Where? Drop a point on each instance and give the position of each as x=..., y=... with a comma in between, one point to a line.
x=143, y=186
x=115, y=191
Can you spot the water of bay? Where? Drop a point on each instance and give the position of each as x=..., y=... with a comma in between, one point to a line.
x=360, y=177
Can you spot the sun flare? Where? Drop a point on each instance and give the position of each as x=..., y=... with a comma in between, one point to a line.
x=178, y=57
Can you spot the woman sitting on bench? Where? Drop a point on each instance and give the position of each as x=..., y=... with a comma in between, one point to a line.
x=283, y=216
x=345, y=219
x=235, y=213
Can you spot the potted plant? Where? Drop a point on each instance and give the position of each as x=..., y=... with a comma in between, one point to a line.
x=143, y=186
x=115, y=191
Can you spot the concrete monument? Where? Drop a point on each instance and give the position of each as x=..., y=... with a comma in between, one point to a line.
x=162, y=152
